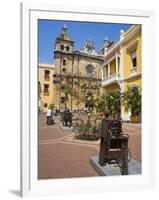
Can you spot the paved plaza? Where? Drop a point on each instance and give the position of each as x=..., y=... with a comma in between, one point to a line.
x=60, y=155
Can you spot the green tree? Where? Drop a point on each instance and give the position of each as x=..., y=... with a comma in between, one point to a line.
x=51, y=106
x=100, y=103
x=132, y=100
x=113, y=101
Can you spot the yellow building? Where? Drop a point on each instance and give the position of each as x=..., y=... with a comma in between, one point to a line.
x=123, y=63
x=46, y=96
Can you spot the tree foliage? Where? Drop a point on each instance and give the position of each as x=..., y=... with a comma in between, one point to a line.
x=132, y=100
x=113, y=102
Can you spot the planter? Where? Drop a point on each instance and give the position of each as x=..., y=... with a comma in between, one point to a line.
x=135, y=119
x=87, y=137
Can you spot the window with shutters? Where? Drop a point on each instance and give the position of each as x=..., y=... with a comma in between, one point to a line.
x=47, y=75
x=46, y=89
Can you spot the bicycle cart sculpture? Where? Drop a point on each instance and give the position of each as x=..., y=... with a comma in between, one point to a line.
x=113, y=145
x=67, y=118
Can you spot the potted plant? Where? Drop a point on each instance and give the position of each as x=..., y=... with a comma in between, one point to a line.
x=132, y=103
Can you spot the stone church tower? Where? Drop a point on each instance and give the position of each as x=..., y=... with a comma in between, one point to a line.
x=63, y=51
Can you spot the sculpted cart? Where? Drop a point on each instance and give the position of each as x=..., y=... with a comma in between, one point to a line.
x=113, y=145
x=67, y=118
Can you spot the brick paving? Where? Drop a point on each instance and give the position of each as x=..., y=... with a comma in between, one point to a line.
x=134, y=131
x=62, y=156
x=65, y=160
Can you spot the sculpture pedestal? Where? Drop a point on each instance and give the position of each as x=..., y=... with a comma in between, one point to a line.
x=134, y=167
x=66, y=128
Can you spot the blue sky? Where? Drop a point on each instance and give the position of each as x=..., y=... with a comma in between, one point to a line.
x=48, y=30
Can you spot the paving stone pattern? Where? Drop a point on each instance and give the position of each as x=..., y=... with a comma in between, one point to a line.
x=60, y=155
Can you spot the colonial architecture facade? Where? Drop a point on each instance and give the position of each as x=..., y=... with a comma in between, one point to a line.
x=115, y=67
x=123, y=63
x=81, y=69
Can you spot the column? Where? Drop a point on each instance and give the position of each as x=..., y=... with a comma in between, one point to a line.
x=108, y=70
x=104, y=73
x=116, y=58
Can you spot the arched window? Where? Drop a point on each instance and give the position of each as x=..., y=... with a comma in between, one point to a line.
x=64, y=62
x=62, y=47
x=67, y=48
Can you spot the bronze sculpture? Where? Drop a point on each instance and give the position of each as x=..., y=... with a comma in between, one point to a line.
x=67, y=118
x=113, y=144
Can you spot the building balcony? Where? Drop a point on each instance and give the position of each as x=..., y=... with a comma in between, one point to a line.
x=113, y=78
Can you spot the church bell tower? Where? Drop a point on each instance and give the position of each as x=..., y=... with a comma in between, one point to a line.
x=63, y=60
